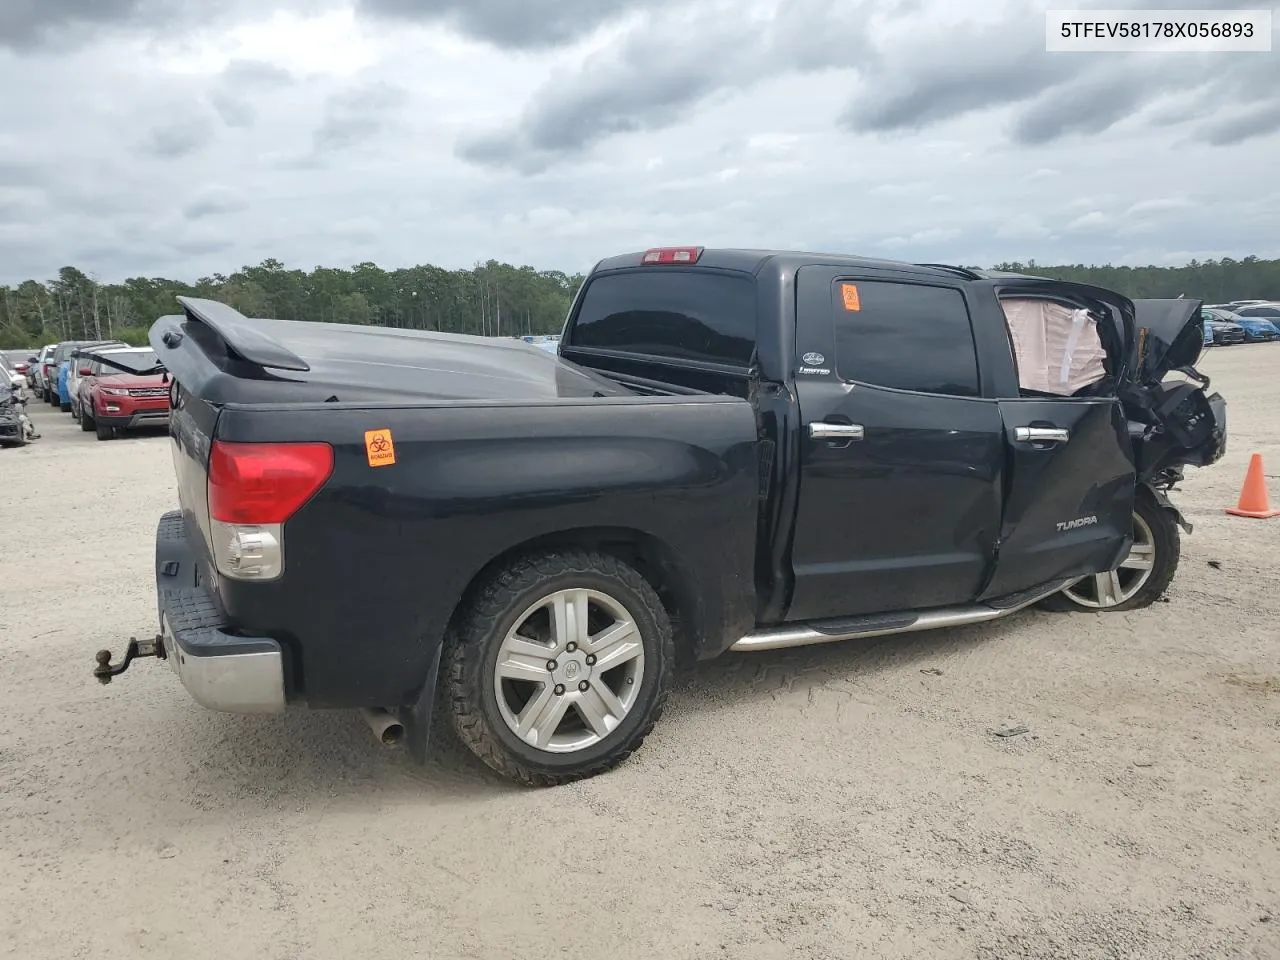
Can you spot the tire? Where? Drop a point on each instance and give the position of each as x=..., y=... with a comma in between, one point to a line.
x=485, y=710
x=64, y=407
x=86, y=422
x=104, y=432
x=1165, y=547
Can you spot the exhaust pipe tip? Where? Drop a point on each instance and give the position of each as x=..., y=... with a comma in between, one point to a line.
x=385, y=726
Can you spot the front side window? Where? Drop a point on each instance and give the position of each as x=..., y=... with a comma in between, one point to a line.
x=906, y=336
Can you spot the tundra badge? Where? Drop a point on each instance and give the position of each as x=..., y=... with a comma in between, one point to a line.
x=1066, y=525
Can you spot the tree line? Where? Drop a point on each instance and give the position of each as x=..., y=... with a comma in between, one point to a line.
x=493, y=299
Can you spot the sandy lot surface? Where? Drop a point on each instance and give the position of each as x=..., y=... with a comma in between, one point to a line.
x=834, y=802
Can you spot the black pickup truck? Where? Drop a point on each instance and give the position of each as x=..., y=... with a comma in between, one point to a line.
x=733, y=450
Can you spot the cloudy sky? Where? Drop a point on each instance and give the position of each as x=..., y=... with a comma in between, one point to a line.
x=185, y=137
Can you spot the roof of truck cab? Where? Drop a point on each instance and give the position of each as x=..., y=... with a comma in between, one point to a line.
x=752, y=261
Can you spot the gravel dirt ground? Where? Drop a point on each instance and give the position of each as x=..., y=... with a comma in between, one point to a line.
x=832, y=802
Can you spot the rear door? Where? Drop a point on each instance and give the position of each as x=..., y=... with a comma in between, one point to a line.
x=901, y=457
x=1070, y=487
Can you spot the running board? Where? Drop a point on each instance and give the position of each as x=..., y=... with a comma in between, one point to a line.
x=883, y=625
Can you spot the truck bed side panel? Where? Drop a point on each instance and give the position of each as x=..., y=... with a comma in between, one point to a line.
x=376, y=563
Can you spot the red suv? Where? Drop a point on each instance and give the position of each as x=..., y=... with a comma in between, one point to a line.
x=129, y=388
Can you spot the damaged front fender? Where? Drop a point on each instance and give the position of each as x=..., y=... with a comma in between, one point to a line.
x=1162, y=500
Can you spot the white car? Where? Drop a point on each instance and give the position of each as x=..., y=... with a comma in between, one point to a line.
x=13, y=378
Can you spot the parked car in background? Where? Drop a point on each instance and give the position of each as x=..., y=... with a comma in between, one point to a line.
x=39, y=376
x=1261, y=311
x=65, y=354
x=1255, y=329
x=15, y=426
x=127, y=389
x=9, y=377
x=78, y=367
x=19, y=361
x=1224, y=333
x=95, y=367
x=54, y=367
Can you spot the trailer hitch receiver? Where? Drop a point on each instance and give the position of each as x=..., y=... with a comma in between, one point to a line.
x=105, y=669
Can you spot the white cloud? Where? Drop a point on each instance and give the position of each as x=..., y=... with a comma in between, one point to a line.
x=317, y=133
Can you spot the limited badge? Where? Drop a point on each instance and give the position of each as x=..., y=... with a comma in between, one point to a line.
x=380, y=448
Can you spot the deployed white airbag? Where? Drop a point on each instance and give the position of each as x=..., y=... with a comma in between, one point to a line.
x=1057, y=349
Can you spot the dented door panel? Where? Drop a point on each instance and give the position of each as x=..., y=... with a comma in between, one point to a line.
x=1069, y=492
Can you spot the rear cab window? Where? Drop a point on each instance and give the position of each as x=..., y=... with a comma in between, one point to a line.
x=904, y=336
x=690, y=316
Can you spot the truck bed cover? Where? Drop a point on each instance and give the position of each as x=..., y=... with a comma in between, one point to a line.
x=244, y=360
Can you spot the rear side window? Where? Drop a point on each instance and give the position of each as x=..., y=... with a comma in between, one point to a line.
x=682, y=315
x=1265, y=312
x=906, y=336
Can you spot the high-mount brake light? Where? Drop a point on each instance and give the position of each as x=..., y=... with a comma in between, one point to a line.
x=673, y=255
x=265, y=483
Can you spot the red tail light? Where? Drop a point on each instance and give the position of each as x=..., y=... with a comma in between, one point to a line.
x=261, y=483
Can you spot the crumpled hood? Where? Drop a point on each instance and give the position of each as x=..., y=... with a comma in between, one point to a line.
x=1168, y=335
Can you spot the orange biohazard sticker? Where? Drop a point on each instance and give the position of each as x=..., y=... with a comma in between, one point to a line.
x=850, y=293
x=380, y=448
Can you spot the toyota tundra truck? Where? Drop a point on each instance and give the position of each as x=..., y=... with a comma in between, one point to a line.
x=731, y=450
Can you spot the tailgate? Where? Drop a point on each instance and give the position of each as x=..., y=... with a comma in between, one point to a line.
x=191, y=426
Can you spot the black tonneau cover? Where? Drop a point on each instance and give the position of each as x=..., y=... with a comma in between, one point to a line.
x=226, y=357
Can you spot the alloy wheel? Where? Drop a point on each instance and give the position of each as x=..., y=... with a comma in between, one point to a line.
x=569, y=671
x=1114, y=587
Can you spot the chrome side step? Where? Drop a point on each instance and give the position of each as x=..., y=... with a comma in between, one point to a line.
x=882, y=625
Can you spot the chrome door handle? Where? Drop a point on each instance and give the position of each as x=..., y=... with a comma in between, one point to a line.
x=835, y=431
x=1041, y=434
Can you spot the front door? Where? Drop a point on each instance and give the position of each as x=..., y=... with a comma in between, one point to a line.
x=902, y=458
x=1069, y=507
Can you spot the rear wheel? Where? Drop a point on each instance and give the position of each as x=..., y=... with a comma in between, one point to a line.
x=560, y=668
x=1142, y=577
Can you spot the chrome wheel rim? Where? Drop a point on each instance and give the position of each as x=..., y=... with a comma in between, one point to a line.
x=1114, y=587
x=569, y=671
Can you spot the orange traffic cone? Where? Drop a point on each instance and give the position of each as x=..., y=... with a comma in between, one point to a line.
x=1253, y=496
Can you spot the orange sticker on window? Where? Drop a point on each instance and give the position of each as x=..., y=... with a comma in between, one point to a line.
x=850, y=293
x=380, y=448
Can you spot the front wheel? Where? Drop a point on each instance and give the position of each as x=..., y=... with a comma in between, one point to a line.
x=86, y=421
x=104, y=431
x=1142, y=577
x=560, y=667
